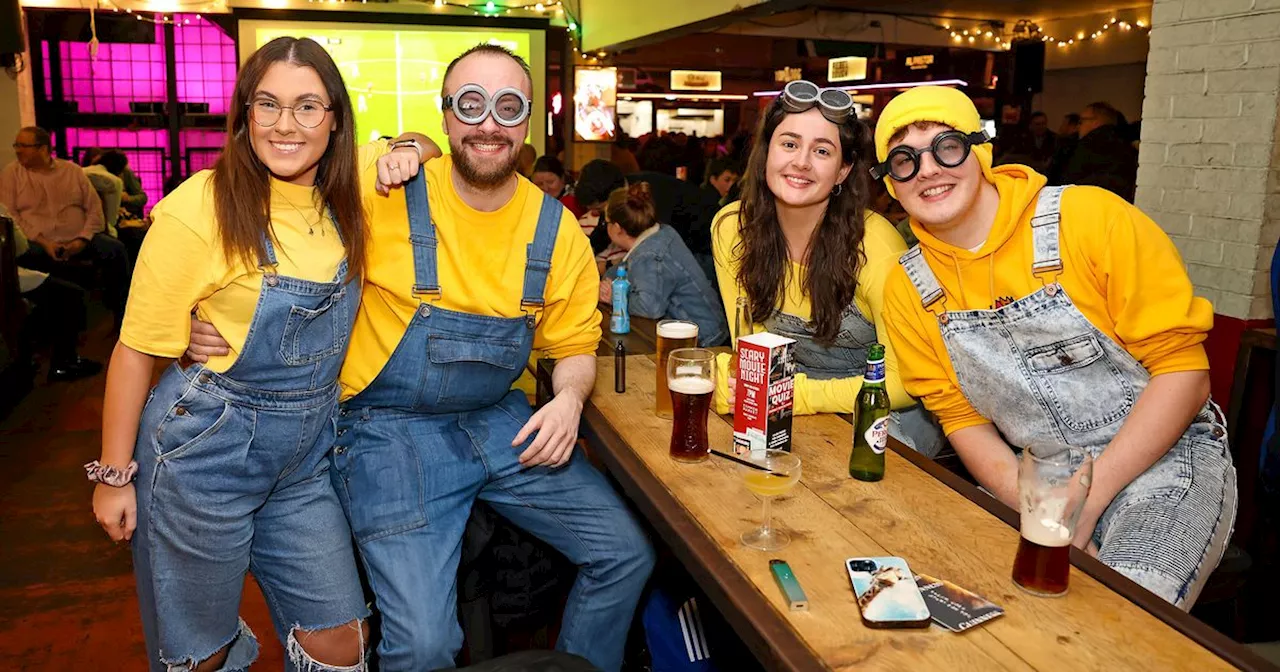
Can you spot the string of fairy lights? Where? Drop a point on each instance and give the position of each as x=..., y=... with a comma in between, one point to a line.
x=993, y=33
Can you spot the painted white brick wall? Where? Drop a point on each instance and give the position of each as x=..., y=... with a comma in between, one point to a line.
x=1209, y=162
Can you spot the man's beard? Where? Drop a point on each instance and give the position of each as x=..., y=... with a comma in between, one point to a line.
x=479, y=176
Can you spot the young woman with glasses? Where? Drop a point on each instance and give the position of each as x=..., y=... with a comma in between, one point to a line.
x=811, y=259
x=221, y=469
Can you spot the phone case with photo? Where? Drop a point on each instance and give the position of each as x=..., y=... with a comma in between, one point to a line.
x=888, y=596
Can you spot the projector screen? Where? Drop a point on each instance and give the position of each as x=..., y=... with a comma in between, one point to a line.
x=394, y=71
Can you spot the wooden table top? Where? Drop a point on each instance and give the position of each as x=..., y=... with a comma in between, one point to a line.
x=700, y=509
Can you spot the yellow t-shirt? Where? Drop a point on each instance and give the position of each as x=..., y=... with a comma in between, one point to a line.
x=481, y=262
x=1119, y=268
x=882, y=246
x=182, y=266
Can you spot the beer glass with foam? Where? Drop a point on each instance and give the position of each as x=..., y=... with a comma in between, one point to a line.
x=672, y=335
x=691, y=377
x=1053, y=483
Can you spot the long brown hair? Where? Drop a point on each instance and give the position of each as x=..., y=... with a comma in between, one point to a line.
x=242, y=183
x=632, y=208
x=835, y=251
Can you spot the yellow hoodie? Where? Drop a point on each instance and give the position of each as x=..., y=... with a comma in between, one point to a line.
x=1119, y=269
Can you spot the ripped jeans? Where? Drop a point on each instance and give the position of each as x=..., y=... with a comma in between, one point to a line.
x=231, y=481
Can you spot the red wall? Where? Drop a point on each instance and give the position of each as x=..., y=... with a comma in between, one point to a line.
x=1222, y=344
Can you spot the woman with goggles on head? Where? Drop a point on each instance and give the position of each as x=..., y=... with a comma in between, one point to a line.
x=1030, y=314
x=811, y=259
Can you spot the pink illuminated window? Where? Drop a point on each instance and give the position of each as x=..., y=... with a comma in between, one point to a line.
x=206, y=60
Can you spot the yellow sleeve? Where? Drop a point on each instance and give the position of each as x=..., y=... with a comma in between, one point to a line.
x=1150, y=299
x=174, y=272
x=367, y=156
x=724, y=238
x=923, y=364
x=570, y=323
x=882, y=245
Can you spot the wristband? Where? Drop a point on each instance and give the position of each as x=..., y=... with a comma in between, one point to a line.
x=108, y=475
x=408, y=143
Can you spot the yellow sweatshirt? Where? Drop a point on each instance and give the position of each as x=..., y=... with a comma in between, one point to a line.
x=1119, y=268
x=882, y=246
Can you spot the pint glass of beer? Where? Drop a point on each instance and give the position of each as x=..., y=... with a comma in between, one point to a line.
x=1053, y=483
x=672, y=335
x=691, y=377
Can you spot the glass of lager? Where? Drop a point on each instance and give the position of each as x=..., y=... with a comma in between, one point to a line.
x=672, y=335
x=691, y=377
x=1053, y=483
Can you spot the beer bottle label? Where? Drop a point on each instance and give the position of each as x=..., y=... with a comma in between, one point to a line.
x=877, y=435
x=875, y=371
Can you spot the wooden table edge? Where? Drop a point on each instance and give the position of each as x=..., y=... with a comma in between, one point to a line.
x=769, y=636
x=1219, y=644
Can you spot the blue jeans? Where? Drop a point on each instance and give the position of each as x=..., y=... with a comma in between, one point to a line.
x=407, y=481
x=225, y=486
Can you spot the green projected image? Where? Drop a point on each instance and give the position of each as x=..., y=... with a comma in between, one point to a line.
x=394, y=74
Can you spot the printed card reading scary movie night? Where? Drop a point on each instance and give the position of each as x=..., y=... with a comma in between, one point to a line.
x=953, y=607
x=763, y=397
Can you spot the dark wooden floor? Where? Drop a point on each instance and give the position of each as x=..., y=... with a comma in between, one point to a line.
x=67, y=591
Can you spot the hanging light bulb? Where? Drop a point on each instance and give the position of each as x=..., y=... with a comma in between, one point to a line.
x=539, y=8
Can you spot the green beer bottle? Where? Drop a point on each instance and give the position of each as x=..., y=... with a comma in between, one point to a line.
x=871, y=420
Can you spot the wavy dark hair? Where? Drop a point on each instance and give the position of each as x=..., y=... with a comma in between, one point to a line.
x=242, y=182
x=834, y=252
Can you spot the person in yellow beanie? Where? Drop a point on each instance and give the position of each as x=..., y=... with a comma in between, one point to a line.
x=1031, y=314
x=811, y=259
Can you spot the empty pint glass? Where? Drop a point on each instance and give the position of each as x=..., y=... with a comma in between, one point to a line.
x=672, y=335
x=691, y=377
x=1053, y=483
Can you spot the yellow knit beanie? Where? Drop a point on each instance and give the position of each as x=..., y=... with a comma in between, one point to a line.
x=939, y=104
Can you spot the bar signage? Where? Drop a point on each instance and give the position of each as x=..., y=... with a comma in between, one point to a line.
x=695, y=80
x=847, y=68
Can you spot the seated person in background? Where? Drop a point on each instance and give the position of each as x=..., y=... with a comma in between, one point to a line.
x=811, y=259
x=109, y=186
x=56, y=206
x=1084, y=330
x=549, y=175
x=528, y=156
x=135, y=199
x=722, y=173
x=129, y=228
x=666, y=281
x=57, y=318
x=1103, y=156
x=679, y=204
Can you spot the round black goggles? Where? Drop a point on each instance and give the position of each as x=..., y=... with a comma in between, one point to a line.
x=801, y=95
x=949, y=149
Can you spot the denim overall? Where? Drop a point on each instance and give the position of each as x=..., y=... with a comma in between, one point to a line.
x=232, y=477
x=433, y=432
x=847, y=357
x=1039, y=370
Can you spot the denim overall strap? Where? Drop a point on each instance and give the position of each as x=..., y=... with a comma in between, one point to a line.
x=270, y=259
x=922, y=277
x=422, y=235
x=1044, y=231
x=538, y=261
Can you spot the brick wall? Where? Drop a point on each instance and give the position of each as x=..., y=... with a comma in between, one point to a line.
x=1209, y=165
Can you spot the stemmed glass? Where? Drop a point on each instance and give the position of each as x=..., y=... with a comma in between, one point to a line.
x=783, y=472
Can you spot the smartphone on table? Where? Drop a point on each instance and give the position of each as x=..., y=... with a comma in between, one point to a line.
x=888, y=596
